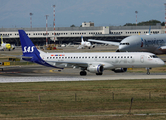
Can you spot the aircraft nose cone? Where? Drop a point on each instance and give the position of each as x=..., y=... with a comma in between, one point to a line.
x=161, y=62
x=122, y=48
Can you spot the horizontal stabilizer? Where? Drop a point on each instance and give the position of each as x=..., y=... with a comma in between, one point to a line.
x=18, y=56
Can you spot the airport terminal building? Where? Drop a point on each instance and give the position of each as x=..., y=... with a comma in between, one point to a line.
x=65, y=35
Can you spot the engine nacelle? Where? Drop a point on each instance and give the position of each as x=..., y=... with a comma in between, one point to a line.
x=95, y=68
x=119, y=70
x=93, y=46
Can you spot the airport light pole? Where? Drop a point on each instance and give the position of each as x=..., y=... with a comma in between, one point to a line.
x=136, y=12
x=46, y=32
x=31, y=18
x=54, y=21
x=165, y=17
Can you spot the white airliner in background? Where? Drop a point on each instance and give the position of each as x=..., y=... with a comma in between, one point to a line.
x=85, y=44
x=95, y=62
x=154, y=43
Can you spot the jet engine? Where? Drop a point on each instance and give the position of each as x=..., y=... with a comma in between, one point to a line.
x=117, y=50
x=119, y=70
x=95, y=68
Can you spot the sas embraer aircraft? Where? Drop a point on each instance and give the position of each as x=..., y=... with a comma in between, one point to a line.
x=155, y=43
x=5, y=46
x=85, y=44
x=92, y=62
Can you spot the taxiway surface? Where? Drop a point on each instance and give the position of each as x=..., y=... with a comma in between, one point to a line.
x=39, y=73
x=36, y=73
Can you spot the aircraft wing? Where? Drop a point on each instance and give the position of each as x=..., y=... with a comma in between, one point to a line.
x=1, y=48
x=80, y=47
x=77, y=64
x=80, y=64
x=105, y=42
x=163, y=47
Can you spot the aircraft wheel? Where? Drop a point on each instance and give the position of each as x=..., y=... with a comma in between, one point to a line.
x=99, y=73
x=83, y=73
x=148, y=71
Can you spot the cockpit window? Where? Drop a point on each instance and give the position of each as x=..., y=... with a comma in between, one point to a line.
x=124, y=43
x=153, y=56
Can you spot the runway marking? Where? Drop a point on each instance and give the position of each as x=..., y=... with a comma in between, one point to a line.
x=59, y=71
x=40, y=79
x=53, y=70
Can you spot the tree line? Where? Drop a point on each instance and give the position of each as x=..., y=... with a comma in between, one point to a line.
x=144, y=23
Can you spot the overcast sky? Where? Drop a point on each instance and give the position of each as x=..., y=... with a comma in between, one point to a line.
x=15, y=13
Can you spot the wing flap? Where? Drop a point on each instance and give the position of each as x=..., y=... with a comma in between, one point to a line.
x=80, y=47
x=67, y=64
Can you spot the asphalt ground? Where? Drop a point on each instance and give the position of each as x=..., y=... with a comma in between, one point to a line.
x=36, y=73
x=40, y=73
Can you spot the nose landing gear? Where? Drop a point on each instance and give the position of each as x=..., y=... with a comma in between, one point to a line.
x=148, y=71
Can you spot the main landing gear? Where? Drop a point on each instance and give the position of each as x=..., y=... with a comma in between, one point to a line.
x=99, y=73
x=148, y=71
x=83, y=73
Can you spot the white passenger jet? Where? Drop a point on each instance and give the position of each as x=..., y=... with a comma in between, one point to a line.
x=154, y=43
x=85, y=44
x=95, y=62
x=6, y=46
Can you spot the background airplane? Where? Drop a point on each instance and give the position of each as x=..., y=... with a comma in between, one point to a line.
x=154, y=43
x=6, y=46
x=85, y=44
x=91, y=62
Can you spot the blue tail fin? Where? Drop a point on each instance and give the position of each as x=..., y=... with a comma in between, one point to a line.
x=28, y=47
x=30, y=52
